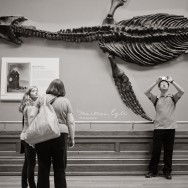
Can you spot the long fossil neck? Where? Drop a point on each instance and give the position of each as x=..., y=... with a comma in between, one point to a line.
x=83, y=34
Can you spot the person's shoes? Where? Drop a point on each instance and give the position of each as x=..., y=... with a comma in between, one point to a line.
x=150, y=175
x=168, y=176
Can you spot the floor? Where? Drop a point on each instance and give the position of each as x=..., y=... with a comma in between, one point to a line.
x=178, y=181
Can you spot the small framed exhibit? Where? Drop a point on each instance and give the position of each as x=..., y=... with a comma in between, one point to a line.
x=18, y=74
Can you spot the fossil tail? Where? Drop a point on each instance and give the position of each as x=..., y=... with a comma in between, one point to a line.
x=126, y=91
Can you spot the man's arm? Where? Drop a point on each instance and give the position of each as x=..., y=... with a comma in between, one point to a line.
x=177, y=86
x=148, y=91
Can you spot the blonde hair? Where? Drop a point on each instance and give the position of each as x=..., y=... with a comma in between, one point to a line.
x=26, y=100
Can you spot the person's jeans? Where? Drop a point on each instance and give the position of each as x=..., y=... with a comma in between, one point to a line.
x=52, y=151
x=28, y=170
x=24, y=174
x=163, y=138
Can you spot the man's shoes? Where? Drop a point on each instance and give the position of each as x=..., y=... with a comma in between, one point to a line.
x=151, y=174
x=168, y=176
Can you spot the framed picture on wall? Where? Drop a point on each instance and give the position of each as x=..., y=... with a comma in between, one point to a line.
x=18, y=74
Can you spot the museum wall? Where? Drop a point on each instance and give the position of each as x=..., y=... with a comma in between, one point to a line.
x=84, y=68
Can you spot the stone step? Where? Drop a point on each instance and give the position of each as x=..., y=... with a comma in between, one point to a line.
x=19, y=160
x=79, y=169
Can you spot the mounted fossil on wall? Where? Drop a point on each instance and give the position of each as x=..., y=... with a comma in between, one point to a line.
x=144, y=40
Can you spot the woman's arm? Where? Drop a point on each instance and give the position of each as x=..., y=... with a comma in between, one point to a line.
x=35, y=110
x=71, y=127
x=26, y=123
x=33, y=114
x=25, y=120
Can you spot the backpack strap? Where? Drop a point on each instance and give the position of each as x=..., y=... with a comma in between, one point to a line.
x=155, y=103
x=173, y=100
x=169, y=95
x=52, y=101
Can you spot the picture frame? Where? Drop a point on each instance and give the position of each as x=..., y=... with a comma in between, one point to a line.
x=18, y=74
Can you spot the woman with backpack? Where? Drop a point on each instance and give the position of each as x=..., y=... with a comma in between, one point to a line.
x=55, y=150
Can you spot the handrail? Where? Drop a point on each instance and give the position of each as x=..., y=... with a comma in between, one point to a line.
x=132, y=123
x=101, y=122
x=122, y=122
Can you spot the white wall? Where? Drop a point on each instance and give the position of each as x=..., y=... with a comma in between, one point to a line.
x=84, y=68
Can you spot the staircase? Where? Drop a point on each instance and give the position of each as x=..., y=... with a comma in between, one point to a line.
x=101, y=153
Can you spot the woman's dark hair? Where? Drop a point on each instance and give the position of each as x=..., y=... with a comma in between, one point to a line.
x=56, y=88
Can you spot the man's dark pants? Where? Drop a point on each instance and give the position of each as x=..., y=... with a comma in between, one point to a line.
x=165, y=138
